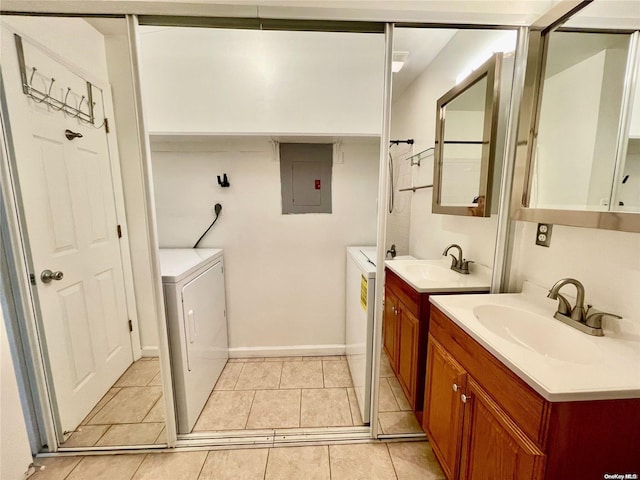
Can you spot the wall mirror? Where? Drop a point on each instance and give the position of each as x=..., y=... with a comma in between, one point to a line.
x=578, y=160
x=465, y=145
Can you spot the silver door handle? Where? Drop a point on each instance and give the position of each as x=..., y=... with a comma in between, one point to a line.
x=455, y=387
x=47, y=275
x=465, y=398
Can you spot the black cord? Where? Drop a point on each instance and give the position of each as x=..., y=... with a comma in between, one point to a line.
x=218, y=209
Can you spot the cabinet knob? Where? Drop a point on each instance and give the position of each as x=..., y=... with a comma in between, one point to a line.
x=465, y=398
x=455, y=387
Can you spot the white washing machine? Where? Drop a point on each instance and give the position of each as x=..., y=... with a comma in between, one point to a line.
x=193, y=285
x=360, y=314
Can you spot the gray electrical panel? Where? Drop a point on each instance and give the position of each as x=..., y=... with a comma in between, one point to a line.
x=305, y=174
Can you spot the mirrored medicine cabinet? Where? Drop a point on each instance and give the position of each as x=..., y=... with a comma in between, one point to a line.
x=578, y=154
x=465, y=146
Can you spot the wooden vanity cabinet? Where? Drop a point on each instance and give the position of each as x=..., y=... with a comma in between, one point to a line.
x=405, y=330
x=483, y=421
x=390, y=325
x=446, y=380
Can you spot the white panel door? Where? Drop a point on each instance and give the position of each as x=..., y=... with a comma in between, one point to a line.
x=66, y=191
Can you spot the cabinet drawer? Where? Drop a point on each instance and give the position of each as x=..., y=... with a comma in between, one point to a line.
x=409, y=297
x=528, y=409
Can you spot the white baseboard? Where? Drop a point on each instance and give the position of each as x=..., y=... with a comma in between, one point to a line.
x=150, y=352
x=294, y=351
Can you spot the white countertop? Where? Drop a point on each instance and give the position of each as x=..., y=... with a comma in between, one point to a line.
x=440, y=278
x=591, y=368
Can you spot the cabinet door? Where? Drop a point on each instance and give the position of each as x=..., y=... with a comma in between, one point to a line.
x=390, y=330
x=409, y=330
x=443, y=407
x=493, y=446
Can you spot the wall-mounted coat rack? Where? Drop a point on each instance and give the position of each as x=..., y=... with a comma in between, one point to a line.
x=83, y=110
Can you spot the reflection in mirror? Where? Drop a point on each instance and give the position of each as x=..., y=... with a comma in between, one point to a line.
x=466, y=129
x=101, y=356
x=574, y=158
x=416, y=234
x=626, y=197
x=462, y=147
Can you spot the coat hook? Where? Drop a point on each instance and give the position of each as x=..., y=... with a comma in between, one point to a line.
x=64, y=102
x=56, y=109
x=33, y=72
x=79, y=109
x=224, y=181
x=45, y=96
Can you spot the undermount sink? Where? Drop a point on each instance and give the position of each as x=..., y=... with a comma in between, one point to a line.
x=433, y=273
x=545, y=336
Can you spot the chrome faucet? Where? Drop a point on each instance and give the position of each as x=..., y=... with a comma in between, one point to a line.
x=459, y=264
x=392, y=251
x=587, y=320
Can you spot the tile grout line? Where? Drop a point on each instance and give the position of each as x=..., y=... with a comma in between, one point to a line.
x=329, y=455
x=393, y=465
x=246, y=423
x=203, y=464
x=393, y=395
x=149, y=411
x=138, y=468
x=70, y=471
x=266, y=464
x=353, y=422
x=103, y=434
x=239, y=375
x=300, y=412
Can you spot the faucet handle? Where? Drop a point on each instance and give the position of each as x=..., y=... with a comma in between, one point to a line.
x=564, y=307
x=465, y=265
x=594, y=317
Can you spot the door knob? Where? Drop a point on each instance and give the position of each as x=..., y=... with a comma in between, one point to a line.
x=71, y=135
x=465, y=398
x=455, y=387
x=47, y=275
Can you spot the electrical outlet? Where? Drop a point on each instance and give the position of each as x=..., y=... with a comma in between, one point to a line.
x=543, y=234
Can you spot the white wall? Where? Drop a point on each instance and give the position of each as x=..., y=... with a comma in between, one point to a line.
x=567, y=135
x=284, y=273
x=55, y=33
x=15, y=453
x=606, y=262
x=217, y=80
x=399, y=220
x=413, y=116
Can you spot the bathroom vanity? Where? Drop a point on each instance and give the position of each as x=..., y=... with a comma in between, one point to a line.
x=408, y=285
x=495, y=407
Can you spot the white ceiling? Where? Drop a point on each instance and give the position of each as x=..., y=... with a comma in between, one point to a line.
x=490, y=12
x=423, y=45
x=608, y=14
x=108, y=26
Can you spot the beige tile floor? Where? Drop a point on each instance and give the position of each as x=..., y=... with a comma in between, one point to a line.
x=281, y=392
x=130, y=413
x=251, y=394
x=394, y=412
x=365, y=461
